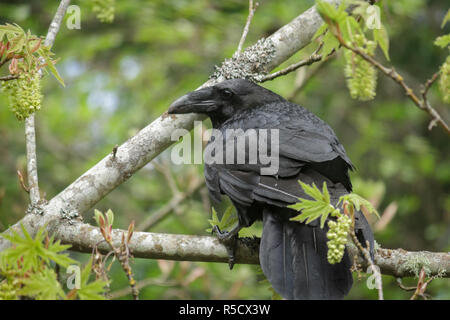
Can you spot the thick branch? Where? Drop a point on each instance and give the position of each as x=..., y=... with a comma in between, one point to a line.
x=30, y=138
x=84, y=237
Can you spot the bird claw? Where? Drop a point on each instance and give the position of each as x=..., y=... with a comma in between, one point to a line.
x=229, y=240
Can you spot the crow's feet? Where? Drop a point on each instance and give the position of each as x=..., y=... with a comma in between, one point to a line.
x=229, y=240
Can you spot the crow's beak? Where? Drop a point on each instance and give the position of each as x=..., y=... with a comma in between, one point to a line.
x=199, y=101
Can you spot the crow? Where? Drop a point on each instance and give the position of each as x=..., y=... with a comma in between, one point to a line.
x=293, y=255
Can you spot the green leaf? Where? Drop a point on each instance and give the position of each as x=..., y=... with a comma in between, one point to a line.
x=246, y=232
x=93, y=290
x=53, y=253
x=110, y=216
x=442, y=41
x=26, y=250
x=228, y=219
x=275, y=295
x=382, y=38
x=319, y=207
x=17, y=43
x=42, y=285
x=325, y=192
x=349, y=28
x=326, y=10
x=329, y=43
x=97, y=215
x=30, y=252
x=361, y=7
x=2, y=34
x=10, y=28
x=86, y=272
x=53, y=71
x=357, y=202
x=312, y=210
x=311, y=191
x=320, y=31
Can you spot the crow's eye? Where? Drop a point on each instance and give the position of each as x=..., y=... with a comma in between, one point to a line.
x=227, y=94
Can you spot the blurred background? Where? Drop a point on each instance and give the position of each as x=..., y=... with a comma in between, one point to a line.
x=121, y=76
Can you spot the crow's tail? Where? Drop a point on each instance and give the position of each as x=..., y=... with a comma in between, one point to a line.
x=293, y=257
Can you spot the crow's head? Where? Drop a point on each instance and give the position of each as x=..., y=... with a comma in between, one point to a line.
x=223, y=100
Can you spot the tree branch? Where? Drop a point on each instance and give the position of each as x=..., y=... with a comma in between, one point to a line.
x=83, y=237
x=56, y=23
x=315, y=57
x=30, y=138
x=425, y=102
x=251, y=12
x=30, y=132
x=366, y=254
x=9, y=77
x=177, y=198
x=391, y=73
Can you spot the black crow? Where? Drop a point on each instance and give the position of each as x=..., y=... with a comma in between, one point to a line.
x=293, y=255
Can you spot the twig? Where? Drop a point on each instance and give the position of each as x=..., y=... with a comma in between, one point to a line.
x=375, y=269
x=206, y=202
x=164, y=169
x=386, y=217
x=9, y=77
x=22, y=183
x=98, y=267
x=421, y=285
x=177, y=198
x=251, y=12
x=114, y=151
x=298, y=87
x=122, y=252
x=142, y=284
x=391, y=73
x=30, y=132
x=314, y=57
x=402, y=286
x=424, y=93
x=124, y=262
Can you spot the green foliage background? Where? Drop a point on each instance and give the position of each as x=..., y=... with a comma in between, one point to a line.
x=121, y=76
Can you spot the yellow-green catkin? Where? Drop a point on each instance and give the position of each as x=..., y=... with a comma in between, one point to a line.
x=10, y=284
x=361, y=75
x=444, y=80
x=24, y=94
x=104, y=9
x=337, y=235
